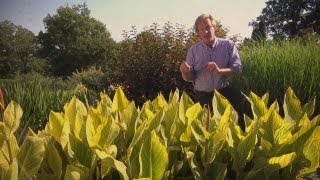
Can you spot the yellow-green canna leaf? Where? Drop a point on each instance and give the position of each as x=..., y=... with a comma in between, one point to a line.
x=59, y=128
x=79, y=129
x=30, y=156
x=140, y=133
x=73, y=109
x=129, y=116
x=312, y=153
x=195, y=168
x=247, y=120
x=159, y=102
x=184, y=104
x=258, y=106
x=292, y=106
x=153, y=158
x=276, y=163
x=76, y=172
x=156, y=121
x=101, y=134
x=94, y=120
x=298, y=140
x=108, y=161
x=54, y=159
x=31, y=133
x=11, y=117
x=120, y=101
x=104, y=106
x=219, y=136
x=2, y=134
x=271, y=121
x=81, y=152
x=11, y=172
x=168, y=123
x=270, y=165
x=186, y=136
x=265, y=98
x=6, y=157
x=193, y=112
x=146, y=112
x=245, y=149
x=283, y=133
x=197, y=133
x=220, y=104
x=174, y=97
x=309, y=107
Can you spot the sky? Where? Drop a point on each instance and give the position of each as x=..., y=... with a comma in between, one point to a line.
x=120, y=15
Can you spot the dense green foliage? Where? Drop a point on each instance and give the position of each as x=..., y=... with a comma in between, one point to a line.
x=284, y=18
x=74, y=40
x=17, y=47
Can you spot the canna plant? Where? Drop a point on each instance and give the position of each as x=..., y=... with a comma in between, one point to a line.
x=164, y=139
x=18, y=162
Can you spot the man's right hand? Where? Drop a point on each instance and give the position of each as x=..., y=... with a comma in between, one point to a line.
x=185, y=71
x=185, y=68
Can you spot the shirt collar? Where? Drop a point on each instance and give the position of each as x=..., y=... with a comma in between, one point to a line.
x=213, y=44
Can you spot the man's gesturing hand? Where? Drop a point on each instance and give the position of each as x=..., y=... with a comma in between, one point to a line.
x=213, y=67
x=185, y=68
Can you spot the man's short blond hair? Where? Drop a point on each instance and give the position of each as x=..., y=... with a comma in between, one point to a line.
x=203, y=17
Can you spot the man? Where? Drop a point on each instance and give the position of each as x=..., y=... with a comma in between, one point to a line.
x=210, y=63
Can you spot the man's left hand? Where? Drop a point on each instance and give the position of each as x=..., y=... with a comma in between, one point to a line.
x=213, y=67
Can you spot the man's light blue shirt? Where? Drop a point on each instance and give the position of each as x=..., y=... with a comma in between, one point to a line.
x=223, y=52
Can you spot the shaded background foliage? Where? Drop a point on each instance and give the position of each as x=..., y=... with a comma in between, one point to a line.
x=76, y=48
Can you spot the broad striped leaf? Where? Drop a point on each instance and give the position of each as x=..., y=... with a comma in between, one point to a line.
x=30, y=156
x=270, y=165
x=219, y=104
x=174, y=97
x=11, y=172
x=193, y=113
x=309, y=107
x=4, y=152
x=276, y=163
x=120, y=101
x=59, y=128
x=72, y=109
x=184, y=104
x=217, y=140
x=108, y=161
x=81, y=152
x=312, y=152
x=129, y=116
x=54, y=159
x=159, y=102
x=11, y=118
x=76, y=172
x=258, y=106
x=153, y=158
x=298, y=140
x=292, y=106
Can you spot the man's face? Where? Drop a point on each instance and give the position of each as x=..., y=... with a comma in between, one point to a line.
x=206, y=31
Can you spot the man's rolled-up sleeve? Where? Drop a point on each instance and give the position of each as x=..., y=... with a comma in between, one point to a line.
x=235, y=62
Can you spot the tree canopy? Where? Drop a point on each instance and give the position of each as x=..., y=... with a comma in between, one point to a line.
x=285, y=18
x=73, y=40
x=17, y=46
